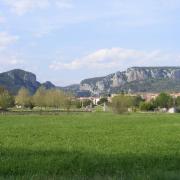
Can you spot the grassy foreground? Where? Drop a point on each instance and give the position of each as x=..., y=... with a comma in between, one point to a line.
x=90, y=146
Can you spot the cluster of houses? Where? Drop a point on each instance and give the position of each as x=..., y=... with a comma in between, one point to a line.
x=146, y=96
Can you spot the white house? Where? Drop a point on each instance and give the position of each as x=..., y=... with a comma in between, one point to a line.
x=172, y=110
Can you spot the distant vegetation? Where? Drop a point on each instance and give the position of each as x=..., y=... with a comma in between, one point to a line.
x=46, y=99
x=122, y=103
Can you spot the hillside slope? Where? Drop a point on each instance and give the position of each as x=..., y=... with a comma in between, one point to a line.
x=135, y=79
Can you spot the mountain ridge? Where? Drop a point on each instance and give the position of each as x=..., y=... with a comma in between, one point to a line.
x=134, y=79
x=16, y=79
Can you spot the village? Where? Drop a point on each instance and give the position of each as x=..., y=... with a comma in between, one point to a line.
x=147, y=97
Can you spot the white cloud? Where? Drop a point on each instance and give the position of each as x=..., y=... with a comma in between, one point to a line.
x=6, y=40
x=20, y=7
x=118, y=59
x=64, y=4
x=10, y=60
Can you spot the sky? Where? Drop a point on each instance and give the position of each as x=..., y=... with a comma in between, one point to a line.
x=66, y=41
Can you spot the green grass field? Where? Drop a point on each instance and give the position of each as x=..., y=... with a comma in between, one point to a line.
x=90, y=146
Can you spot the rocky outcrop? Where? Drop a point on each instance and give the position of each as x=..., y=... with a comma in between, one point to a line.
x=127, y=80
x=16, y=79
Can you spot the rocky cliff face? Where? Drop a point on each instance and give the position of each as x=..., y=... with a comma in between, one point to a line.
x=127, y=80
x=17, y=78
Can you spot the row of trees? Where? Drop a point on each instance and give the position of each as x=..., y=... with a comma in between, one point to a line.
x=43, y=98
x=122, y=103
x=55, y=98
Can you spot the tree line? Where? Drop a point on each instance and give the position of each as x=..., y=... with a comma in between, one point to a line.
x=43, y=98
x=58, y=99
x=123, y=103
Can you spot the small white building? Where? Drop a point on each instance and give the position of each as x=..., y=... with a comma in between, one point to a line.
x=18, y=107
x=172, y=110
x=96, y=100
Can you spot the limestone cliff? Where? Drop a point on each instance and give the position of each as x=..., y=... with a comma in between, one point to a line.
x=152, y=78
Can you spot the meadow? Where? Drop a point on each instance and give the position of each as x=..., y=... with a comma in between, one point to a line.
x=90, y=146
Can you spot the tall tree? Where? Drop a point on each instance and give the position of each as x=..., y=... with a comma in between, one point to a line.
x=164, y=100
x=178, y=101
x=23, y=98
x=6, y=99
x=40, y=97
x=58, y=99
x=121, y=103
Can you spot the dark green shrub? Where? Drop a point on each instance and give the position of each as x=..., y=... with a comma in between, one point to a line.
x=146, y=106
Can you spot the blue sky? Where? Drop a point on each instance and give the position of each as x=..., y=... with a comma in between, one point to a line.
x=65, y=41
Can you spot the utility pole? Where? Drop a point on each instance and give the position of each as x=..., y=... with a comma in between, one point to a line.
x=82, y=105
x=105, y=107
